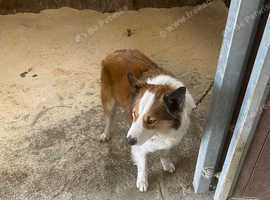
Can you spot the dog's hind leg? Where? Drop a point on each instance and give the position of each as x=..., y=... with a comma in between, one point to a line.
x=166, y=162
x=109, y=104
x=106, y=135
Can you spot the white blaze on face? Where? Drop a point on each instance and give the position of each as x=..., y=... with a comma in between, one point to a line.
x=137, y=130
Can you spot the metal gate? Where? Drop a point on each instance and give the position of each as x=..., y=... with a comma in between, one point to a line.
x=242, y=26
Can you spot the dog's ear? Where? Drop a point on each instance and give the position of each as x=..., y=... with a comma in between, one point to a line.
x=175, y=100
x=135, y=84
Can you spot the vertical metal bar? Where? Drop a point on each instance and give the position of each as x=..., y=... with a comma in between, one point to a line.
x=239, y=34
x=258, y=88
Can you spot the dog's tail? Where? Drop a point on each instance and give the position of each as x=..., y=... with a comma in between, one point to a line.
x=106, y=90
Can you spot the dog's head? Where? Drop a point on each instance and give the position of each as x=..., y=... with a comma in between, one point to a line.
x=157, y=109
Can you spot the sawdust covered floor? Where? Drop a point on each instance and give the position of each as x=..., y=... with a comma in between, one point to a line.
x=50, y=113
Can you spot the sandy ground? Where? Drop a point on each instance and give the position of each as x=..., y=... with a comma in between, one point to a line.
x=50, y=112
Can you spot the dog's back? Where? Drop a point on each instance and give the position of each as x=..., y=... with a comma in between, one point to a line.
x=114, y=82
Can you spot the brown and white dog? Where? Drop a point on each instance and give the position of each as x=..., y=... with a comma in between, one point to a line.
x=158, y=103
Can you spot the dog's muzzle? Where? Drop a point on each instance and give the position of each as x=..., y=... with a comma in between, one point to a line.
x=131, y=141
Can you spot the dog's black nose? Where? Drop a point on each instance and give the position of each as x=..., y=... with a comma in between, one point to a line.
x=131, y=141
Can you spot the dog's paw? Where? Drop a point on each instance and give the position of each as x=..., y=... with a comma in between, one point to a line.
x=168, y=166
x=104, y=137
x=142, y=185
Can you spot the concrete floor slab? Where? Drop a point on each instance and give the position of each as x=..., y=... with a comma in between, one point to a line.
x=50, y=112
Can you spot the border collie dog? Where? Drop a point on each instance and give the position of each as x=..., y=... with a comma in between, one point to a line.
x=157, y=102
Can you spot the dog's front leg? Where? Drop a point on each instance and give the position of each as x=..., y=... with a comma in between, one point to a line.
x=139, y=157
x=166, y=162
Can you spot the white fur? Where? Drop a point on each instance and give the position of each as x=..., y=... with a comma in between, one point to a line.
x=137, y=130
x=165, y=79
x=158, y=141
x=168, y=80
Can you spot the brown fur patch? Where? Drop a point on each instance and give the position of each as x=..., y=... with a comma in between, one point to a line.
x=115, y=86
x=158, y=112
x=114, y=82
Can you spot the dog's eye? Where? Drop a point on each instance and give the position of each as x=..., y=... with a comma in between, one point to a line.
x=150, y=120
x=134, y=115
